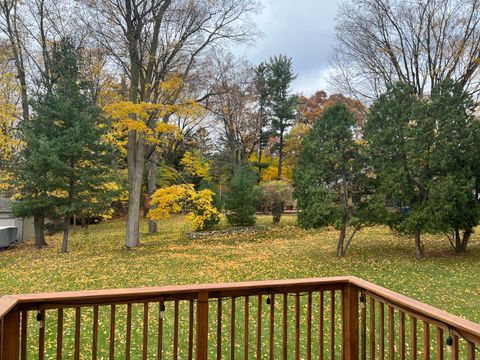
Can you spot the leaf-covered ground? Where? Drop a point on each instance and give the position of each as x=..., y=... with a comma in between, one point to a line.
x=98, y=260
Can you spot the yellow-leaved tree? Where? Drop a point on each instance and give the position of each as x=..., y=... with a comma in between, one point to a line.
x=195, y=164
x=198, y=205
x=9, y=114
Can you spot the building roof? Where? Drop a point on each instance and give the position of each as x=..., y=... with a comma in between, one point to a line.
x=5, y=205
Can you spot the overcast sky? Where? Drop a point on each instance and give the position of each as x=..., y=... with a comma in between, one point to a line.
x=301, y=29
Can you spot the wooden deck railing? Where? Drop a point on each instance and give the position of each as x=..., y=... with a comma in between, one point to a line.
x=327, y=318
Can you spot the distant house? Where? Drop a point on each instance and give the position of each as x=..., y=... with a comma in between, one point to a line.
x=24, y=226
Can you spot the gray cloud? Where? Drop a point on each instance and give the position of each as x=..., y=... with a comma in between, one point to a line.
x=301, y=29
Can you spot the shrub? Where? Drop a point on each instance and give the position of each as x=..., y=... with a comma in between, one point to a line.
x=276, y=195
x=241, y=198
x=198, y=205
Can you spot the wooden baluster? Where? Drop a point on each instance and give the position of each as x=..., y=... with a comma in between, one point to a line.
x=426, y=341
x=372, y=329
x=363, y=326
x=161, y=316
x=332, y=325
x=219, y=329
x=245, y=350
x=272, y=326
x=145, y=332
x=455, y=347
x=128, y=340
x=95, y=333
x=190, y=331
x=391, y=333
x=309, y=326
x=232, y=330
x=297, y=326
x=259, y=328
x=77, y=333
x=470, y=351
x=41, y=337
x=350, y=327
x=202, y=326
x=175, y=330
x=10, y=335
x=413, y=338
x=285, y=327
x=402, y=335
x=24, y=328
x=321, y=342
x=59, y=333
x=439, y=344
x=381, y=335
x=112, y=332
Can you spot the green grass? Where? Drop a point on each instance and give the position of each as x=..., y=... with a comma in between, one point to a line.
x=97, y=260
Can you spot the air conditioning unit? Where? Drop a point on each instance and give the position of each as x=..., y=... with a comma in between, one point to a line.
x=8, y=236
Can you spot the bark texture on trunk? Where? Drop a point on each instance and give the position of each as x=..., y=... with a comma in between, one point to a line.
x=152, y=187
x=280, y=157
x=341, y=241
x=39, y=230
x=461, y=240
x=136, y=165
x=419, y=251
x=66, y=228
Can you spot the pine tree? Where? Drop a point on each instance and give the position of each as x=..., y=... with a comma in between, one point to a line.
x=66, y=143
x=330, y=180
x=400, y=137
x=279, y=77
x=241, y=198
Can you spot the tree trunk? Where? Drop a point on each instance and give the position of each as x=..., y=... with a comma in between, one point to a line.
x=152, y=187
x=341, y=241
x=136, y=165
x=74, y=223
x=38, y=226
x=66, y=228
x=349, y=241
x=461, y=242
x=277, y=210
x=419, y=252
x=280, y=157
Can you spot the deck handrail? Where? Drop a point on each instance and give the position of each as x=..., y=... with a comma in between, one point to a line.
x=456, y=326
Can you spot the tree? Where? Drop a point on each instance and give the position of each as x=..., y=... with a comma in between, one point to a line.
x=198, y=205
x=281, y=102
x=380, y=42
x=330, y=177
x=400, y=138
x=68, y=162
x=309, y=109
x=261, y=91
x=233, y=107
x=276, y=195
x=453, y=200
x=241, y=197
x=152, y=42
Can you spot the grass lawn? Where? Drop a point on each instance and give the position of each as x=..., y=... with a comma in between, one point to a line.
x=98, y=260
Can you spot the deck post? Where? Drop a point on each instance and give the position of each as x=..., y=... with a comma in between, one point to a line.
x=350, y=322
x=202, y=326
x=10, y=342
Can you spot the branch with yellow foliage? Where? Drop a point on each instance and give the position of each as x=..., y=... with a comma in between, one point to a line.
x=198, y=205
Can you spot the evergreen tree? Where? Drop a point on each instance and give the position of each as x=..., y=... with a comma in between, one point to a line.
x=453, y=202
x=261, y=89
x=282, y=103
x=425, y=154
x=400, y=137
x=66, y=143
x=241, y=198
x=330, y=177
